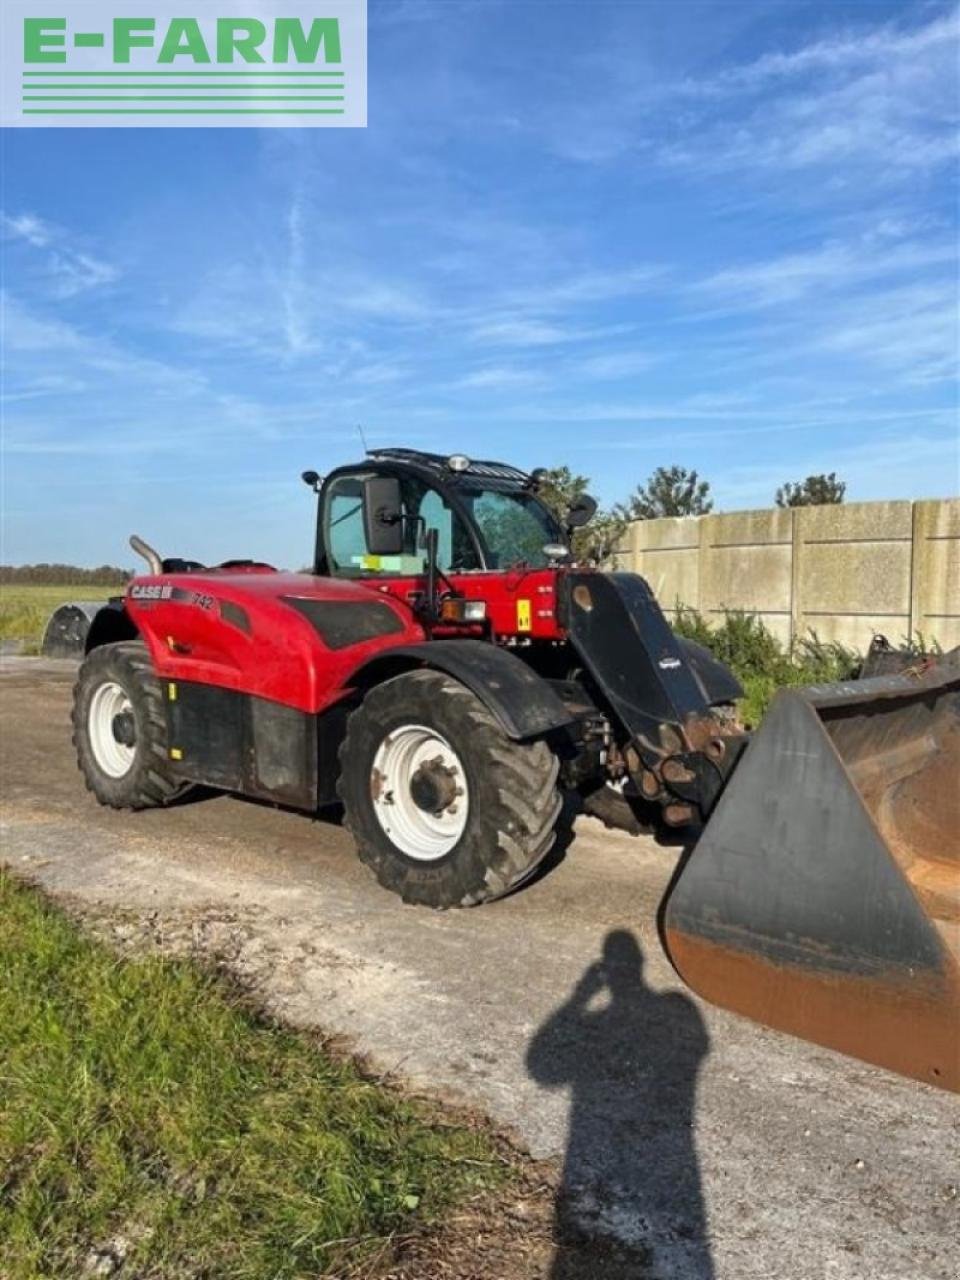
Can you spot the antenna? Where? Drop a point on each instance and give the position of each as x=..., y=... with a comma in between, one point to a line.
x=363, y=438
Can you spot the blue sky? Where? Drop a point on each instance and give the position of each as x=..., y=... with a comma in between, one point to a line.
x=608, y=235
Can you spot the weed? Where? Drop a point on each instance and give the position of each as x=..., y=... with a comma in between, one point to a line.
x=760, y=661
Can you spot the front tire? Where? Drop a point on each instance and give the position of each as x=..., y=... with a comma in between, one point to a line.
x=120, y=730
x=446, y=810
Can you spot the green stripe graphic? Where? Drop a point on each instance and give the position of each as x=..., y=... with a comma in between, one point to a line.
x=183, y=73
x=182, y=97
x=97, y=90
x=183, y=111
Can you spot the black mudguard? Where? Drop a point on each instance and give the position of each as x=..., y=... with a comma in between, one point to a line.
x=78, y=626
x=648, y=674
x=523, y=702
x=717, y=683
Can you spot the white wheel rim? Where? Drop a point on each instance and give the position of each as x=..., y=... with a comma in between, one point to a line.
x=406, y=756
x=110, y=700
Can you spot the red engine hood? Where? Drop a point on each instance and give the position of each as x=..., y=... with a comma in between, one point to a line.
x=243, y=630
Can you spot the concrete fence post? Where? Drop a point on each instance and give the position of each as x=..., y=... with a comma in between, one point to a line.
x=935, y=577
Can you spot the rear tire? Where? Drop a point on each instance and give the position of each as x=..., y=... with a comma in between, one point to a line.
x=445, y=809
x=120, y=730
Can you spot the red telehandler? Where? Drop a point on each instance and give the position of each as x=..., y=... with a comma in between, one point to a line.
x=447, y=671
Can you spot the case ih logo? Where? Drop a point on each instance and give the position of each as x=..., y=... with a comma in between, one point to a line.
x=143, y=64
x=150, y=591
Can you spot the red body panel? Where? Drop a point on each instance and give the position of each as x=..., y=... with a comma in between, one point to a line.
x=504, y=593
x=281, y=656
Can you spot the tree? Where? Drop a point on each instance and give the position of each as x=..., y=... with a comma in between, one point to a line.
x=597, y=541
x=815, y=491
x=670, y=491
x=560, y=490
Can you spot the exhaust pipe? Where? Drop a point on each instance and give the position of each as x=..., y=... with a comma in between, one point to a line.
x=144, y=549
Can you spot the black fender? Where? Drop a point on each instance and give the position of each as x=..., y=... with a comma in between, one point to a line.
x=78, y=626
x=649, y=675
x=717, y=682
x=522, y=701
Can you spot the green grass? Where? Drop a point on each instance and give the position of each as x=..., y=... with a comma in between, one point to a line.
x=25, y=610
x=139, y=1099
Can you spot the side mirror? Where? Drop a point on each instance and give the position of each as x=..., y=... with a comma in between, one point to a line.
x=383, y=515
x=582, y=512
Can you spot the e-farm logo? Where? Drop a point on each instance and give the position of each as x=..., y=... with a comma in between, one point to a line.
x=141, y=63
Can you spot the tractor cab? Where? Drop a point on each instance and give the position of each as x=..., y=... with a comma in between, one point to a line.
x=471, y=546
x=374, y=519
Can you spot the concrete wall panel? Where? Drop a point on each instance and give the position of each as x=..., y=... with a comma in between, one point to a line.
x=852, y=571
x=746, y=563
x=936, y=570
x=845, y=571
x=667, y=553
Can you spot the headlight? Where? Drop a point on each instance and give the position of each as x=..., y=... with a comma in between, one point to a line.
x=458, y=462
x=456, y=609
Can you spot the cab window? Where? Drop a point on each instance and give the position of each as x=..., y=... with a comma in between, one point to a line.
x=346, y=544
x=347, y=551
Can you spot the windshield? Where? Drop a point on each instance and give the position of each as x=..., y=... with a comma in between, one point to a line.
x=514, y=527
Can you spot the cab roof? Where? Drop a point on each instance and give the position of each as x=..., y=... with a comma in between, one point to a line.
x=436, y=464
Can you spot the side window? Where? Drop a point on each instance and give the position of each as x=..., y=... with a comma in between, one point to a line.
x=344, y=518
x=455, y=550
x=346, y=542
x=438, y=516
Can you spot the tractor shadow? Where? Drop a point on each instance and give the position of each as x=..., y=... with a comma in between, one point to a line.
x=630, y=1204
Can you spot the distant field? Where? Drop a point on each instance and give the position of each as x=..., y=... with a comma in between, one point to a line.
x=24, y=610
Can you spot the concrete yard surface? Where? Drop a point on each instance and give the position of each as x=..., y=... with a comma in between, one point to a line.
x=715, y=1147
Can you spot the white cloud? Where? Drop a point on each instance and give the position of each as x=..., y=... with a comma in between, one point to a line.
x=833, y=266
x=378, y=373
x=589, y=286
x=25, y=226
x=495, y=377
x=533, y=331
x=379, y=299
x=295, y=325
x=616, y=364
x=839, y=52
x=865, y=103
x=883, y=99
x=25, y=331
x=914, y=330
x=75, y=273
x=520, y=331
x=68, y=268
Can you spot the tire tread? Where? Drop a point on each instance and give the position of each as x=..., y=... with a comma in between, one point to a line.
x=519, y=831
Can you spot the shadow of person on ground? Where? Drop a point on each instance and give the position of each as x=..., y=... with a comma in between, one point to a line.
x=630, y=1057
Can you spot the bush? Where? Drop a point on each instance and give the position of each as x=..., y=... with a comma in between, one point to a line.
x=759, y=660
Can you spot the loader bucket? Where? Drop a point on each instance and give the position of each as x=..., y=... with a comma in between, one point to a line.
x=823, y=897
